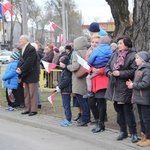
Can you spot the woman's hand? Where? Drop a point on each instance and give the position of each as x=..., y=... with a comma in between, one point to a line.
x=116, y=73
x=95, y=70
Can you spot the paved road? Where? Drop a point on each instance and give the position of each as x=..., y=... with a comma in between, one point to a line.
x=14, y=136
x=104, y=140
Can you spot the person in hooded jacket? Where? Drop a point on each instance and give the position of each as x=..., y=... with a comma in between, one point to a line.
x=119, y=69
x=79, y=84
x=141, y=95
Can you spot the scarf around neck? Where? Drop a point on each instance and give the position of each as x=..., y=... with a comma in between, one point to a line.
x=120, y=60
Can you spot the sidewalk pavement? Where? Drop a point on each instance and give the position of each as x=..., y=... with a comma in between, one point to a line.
x=103, y=140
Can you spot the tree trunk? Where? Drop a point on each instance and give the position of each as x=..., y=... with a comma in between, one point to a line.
x=141, y=26
x=120, y=13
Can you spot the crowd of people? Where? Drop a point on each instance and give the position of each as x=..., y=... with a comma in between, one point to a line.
x=117, y=73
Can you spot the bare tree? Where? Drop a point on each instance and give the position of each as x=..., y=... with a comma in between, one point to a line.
x=120, y=13
x=74, y=17
x=139, y=28
x=141, y=25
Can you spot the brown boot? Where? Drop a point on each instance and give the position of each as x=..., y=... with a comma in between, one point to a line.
x=145, y=143
x=142, y=139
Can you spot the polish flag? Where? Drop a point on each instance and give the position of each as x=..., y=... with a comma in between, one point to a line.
x=60, y=39
x=51, y=99
x=48, y=66
x=6, y=6
x=52, y=26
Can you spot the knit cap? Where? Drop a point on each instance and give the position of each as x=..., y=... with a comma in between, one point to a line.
x=64, y=59
x=94, y=27
x=56, y=49
x=144, y=56
x=15, y=55
x=68, y=47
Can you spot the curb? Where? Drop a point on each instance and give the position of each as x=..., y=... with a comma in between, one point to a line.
x=103, y=140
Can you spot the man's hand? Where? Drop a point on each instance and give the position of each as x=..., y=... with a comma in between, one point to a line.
x=18, y=70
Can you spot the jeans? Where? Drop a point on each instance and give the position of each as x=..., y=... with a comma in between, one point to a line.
x=83, y=102
x=39, y=94
x=66, y=98
x=144, y=115
x=125, y=116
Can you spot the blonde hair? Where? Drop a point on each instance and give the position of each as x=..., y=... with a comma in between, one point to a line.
x=35, y=46
x=95, y=36
x=61, y=49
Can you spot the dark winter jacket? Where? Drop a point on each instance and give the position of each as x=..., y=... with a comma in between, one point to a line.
x=100, y=56
x=117, y=89
x=10, y=76
x=29, y=65
x=65, y=82
x=48, y=56
x=141, y=85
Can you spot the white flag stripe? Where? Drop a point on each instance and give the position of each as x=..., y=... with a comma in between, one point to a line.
x=46, y=64
x=82, y=62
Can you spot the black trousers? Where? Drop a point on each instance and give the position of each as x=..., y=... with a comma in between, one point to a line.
x=144, y=115
x=98, y=108
x=125, y=116
x=20, y=94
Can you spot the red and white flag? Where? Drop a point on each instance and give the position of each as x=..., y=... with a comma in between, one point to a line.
x=48, y=66
x=60, y=39
x=51, y=99
x=52, y=26
x=6, y=6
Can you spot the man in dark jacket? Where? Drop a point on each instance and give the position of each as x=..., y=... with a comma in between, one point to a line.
x=28, y=69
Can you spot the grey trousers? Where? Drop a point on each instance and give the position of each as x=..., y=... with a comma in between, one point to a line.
x=89, y=81
x=31, y=97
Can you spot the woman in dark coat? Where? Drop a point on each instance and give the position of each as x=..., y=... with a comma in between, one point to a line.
x=119, y=69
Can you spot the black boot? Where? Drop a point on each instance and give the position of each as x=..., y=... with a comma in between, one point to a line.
x=122, y=135
x=78, y=117
x=99, y=127
x=134, y=138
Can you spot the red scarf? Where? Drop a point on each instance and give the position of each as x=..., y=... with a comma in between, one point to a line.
x=120, y=60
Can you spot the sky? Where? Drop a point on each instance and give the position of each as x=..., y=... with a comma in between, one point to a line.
x=94, y=10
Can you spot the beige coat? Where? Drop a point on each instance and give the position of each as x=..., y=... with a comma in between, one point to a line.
x=78, y=84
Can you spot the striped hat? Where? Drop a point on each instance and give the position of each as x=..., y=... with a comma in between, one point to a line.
x=15, y=55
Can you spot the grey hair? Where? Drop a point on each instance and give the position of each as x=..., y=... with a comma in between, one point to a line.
x=114, y=44
x=24, y=36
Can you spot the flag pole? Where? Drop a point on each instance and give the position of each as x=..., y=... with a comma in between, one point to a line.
x=59, y=27
x=54, y=110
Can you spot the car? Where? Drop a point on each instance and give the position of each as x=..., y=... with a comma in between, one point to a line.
x=5, y=56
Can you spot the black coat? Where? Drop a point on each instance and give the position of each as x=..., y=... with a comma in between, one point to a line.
x=119, y=91
x=65, y=82
x=29, y=66
x=141, y=85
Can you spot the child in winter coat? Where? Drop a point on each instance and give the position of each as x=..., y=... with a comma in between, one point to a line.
x=141, y=95
x=65, y=87
x=98, y=59
x=10, y=79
